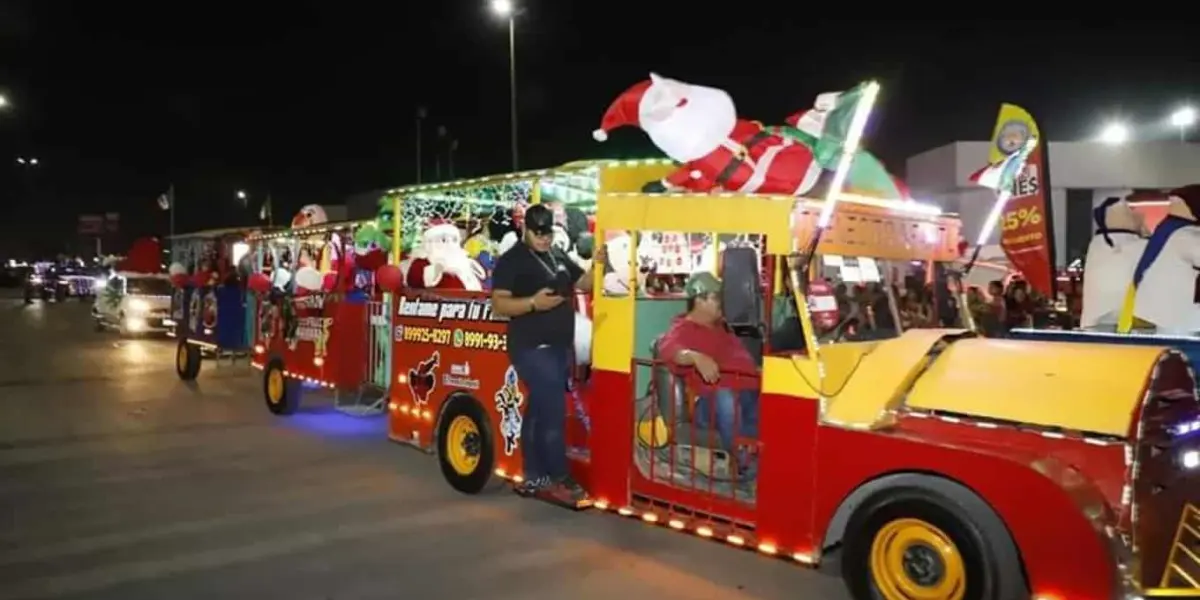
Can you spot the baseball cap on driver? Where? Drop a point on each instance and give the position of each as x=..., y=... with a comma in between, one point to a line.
x=702, y=284
x=539, y=220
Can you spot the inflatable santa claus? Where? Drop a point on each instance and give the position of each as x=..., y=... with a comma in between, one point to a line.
x=1165, y=280
x=1112, y=256
x=442, y=262
x=698, y=127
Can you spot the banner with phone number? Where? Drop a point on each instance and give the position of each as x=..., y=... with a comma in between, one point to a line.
x=1024, y=233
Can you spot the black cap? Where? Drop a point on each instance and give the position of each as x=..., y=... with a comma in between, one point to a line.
x=539, y=220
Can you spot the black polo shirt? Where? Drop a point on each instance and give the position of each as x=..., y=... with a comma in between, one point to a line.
x=523, y=272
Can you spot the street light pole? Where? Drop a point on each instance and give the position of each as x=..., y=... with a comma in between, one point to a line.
x=506, y=10
x=512, y=83
x=421, y=114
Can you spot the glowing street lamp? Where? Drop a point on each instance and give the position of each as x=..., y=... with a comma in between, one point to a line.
x=1183, y=120
x=241, y=194
x=506, y=10
x=1114, y=134
x=3, y=102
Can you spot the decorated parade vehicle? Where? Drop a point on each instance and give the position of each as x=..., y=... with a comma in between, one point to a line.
x=135, y=297
x=942, y=464
x=208, y=310
x=444, y=338
x=311, y=319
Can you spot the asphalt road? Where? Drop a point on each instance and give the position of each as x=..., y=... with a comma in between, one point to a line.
x=117, y=481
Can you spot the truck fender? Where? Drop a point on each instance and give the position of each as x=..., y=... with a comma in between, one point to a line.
x=954, y=490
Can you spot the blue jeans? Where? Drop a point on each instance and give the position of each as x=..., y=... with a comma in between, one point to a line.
x=545, y=371
x=728, y=403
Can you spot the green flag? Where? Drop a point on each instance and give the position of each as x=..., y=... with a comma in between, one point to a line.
x=867, y=175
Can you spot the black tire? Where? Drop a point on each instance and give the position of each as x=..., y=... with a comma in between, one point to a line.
x=989, y=557
x=187, y=361
x=282, y=397
x=462, y=408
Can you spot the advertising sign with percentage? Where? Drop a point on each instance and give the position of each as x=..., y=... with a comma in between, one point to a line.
x=1025, y=223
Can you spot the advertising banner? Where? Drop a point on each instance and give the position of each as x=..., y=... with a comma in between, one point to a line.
x=1026, y=232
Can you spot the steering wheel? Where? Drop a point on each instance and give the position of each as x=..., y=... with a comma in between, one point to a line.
x=838, y=333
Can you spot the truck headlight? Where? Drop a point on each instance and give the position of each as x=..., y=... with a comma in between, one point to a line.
x=138, y=306
x=1190, y=459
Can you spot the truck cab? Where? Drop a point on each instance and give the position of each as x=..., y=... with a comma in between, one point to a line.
x=133, y=303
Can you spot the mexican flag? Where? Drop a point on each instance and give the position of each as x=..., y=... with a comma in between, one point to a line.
x=827, y=123
x=824, y=128
x=867, y=176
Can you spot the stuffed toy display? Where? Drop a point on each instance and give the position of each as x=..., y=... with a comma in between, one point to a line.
x=1165, y=280
x=1112, y=256
x=699, y=128
x=442, y=262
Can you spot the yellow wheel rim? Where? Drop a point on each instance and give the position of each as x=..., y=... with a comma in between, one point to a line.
x=181, y=358
x=460, y=439
x=275, y=386
x=913, y=560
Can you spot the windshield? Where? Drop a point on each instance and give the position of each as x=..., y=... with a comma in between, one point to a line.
x=148, y=286
x=854, y=298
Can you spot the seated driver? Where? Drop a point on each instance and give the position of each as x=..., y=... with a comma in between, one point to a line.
x=701, y=340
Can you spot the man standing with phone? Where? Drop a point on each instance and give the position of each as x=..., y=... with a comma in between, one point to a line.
x=534, y=284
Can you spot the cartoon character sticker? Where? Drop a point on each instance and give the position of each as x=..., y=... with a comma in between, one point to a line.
x=209, y=316
x=508, y=403
x=1012, y=137
x=423, y=378
x=194, y=312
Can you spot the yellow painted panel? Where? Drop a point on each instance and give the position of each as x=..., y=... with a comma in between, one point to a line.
x=1085, y=387
x=632, y=175
x=859, y=229
x=717, y=213
x=612, y=333
x=877, y=379
x=798, y=376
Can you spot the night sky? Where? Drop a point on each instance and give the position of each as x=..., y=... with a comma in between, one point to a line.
x=313, y=101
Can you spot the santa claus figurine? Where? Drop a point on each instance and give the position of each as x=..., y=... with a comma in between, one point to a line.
x=698, y=127
x=1112, y=256
x=1165, y=281
x=442, y=262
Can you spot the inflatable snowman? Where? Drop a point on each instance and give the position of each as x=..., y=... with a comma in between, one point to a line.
x=1112, y=256
x=1165, y=280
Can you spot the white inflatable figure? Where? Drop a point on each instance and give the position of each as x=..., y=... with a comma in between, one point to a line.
x=309, y=278
x=309, y=216
x=444, y=263
x=698, y=127
x=1165, y=280
x=617, y=283
x=507, y=242
x=1112, y=256
x=280, y=278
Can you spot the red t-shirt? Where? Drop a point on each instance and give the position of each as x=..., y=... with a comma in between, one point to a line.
x=716, y=342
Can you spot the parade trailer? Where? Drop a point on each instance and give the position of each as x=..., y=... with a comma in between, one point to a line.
x=942, y=464
x=311, y=321
x=209, y=306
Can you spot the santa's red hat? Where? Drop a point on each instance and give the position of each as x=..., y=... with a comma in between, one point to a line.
x=624, y=111
x=439, y=226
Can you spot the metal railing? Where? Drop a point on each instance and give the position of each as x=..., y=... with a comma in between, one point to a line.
x=371, y=398
x=1183, y=563
x=697, y=436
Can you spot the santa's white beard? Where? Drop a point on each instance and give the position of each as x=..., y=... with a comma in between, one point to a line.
x=695, y=129
x=459, y=264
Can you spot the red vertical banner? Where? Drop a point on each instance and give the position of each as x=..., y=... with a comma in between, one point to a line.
x=1026, y=232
